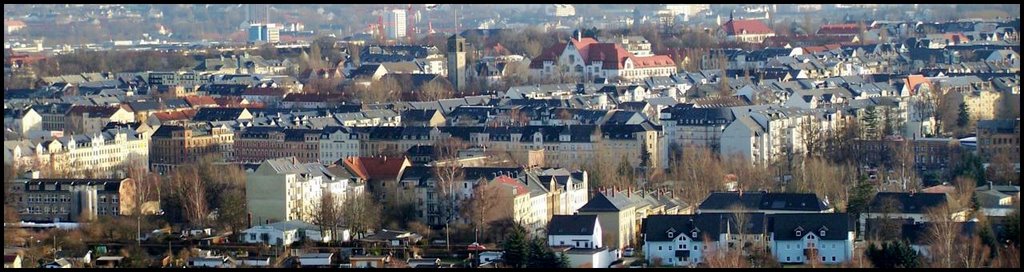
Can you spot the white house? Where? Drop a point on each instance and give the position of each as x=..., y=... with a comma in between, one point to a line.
x=575, y=231
x=211, y=262
x=677, y=240
x=337, y=143
x=795, y=238
x=288, y=232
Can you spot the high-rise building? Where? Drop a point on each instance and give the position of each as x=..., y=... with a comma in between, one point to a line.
x=457, y=62
x=396, y=21
x=260, y=33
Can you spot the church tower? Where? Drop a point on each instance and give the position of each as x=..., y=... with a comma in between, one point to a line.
x=457, y=62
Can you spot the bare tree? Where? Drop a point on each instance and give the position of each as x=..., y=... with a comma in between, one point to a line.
x=434, y=90
x=360, y=213
x=1001, y=169
x=447, y=171
x=942, y=236
x=696, y=173
x=191, y=193
x=327, y=214
x=485, y=207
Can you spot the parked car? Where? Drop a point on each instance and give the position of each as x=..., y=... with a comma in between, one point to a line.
x=629, y=252
x=475, y=247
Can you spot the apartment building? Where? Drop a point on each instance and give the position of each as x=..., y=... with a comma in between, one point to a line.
x=69, y=200
x=285, y=189
x=174, y=145
x=999, y=136
x=256, y=144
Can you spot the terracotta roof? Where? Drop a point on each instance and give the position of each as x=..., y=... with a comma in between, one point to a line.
x=957, y=38
x=653, y=61
x=378, y=168
x=175, y=115
x=839, y=29
x=196, y=101
x=737, y=27
x=520, y=187
x=915, y=82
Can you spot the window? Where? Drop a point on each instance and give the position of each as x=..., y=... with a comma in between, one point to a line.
x=822, y=232
x=659, y=248
x=833, y=258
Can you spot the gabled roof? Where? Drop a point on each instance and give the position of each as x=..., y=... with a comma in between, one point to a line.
x=611, y=202
x=572, y=224
x=375, y=168
x=739, y=27
x=835, y=225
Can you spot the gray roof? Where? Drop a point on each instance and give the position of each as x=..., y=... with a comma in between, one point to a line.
x=572, y=224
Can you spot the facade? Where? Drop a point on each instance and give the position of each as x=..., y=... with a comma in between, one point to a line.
x=105, y=153
x=23, y=121
x=797, y=238
x=396, y=23
x=286, y=189
x=89, y=119
x=337, y=143
x=284, y=233
x=910, y=206
x=686, y=240
x=173, y=145
x=257, y=144
x=264, y=33
x=695, y=127
x=617, y=216
x=586, y=59
x=764, y=135
x=745, y=31
x=68, y=200
x=999, y=136
x=576, y=231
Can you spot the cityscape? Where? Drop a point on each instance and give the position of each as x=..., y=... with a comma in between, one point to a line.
x=511, y=136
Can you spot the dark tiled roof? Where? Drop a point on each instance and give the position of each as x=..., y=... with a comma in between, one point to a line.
x=908, y=202
x=572, y=224
x=836, y=225
x=763, y=201
x=217, y=114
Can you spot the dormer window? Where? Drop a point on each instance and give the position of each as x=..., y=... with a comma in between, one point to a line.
x=694, y=234
x=671, y=234
x=821, y=233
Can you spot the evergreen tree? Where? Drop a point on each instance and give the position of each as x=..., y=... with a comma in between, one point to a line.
x=871, y=123
x=897, y=254
x=860, y=197
x=516, y=248
x=563, y=260
x=964, y=117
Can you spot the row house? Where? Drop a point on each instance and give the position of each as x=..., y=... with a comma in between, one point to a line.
x=256, y=144
x=108, y=153
x=285, y=189
x=763, y=202
x=337, y=143
x=174, y=145
x=71, y=200
x=687, y=240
